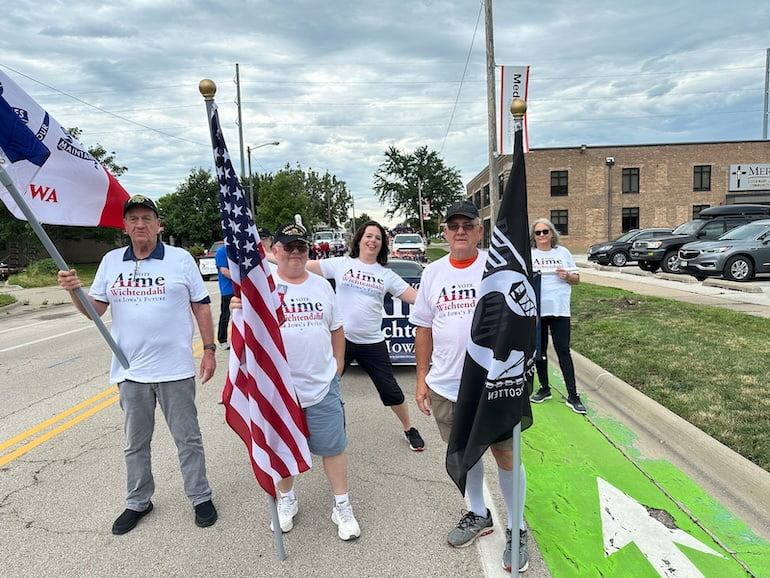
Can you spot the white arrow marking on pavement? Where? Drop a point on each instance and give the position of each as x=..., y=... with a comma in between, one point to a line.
x=624, y=520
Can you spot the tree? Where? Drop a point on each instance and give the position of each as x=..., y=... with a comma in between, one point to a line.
x=191, y=213
x=404, y=177
x=321, y=200
x=359, y=220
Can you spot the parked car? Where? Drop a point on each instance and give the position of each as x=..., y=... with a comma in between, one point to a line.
x=408, y=246
x=399, y=333
x=616, y=252
x=662, y=252
x=737, y=255
x=206, y=264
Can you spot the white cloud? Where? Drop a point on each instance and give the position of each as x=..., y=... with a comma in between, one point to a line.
x=337, y=84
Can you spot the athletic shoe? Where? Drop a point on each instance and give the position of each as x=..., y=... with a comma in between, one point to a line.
x=470, y=527
x=347, y=525
x=576, y=405
x=128, y=520
x=287, y=509
x=541, y=395
x=224, y=346
x=205, y=514
x=416, y=444
x=523, y=555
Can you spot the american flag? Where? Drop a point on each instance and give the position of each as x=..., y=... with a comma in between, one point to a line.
x=260, y=402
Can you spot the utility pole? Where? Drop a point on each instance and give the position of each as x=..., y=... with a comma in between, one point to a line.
x=240, y=123
x=494, y=182
x=767, y=94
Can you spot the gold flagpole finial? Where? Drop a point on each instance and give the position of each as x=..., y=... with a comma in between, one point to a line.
x=208, y=88
x=518, y=108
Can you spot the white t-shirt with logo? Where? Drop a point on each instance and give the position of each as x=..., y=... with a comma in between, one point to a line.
x=446, y=302
x=555, y=293
x=311, y=316
x=151, y=318
x=361, y=288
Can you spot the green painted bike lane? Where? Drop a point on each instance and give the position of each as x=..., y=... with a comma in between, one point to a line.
x=597, y=508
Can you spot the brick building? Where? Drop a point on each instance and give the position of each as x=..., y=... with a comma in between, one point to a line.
x=593, y=194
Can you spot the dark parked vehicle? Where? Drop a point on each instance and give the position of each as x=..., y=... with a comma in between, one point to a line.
x=662, y=252
x=737, y=255
x=616, y=252
x=399, y=333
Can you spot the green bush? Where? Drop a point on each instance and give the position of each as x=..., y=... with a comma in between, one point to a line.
x=196, y=250
x=43, y=267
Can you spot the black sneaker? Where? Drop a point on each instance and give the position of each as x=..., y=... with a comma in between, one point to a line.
x=416, y=443
x=541, y=395
x=128, y=520
x=576, y=405
x=205, y=514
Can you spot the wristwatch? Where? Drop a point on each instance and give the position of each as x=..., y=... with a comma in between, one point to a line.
x=211, y=346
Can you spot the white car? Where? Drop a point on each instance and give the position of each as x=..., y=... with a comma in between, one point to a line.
x=206, y=264
x=408, y=246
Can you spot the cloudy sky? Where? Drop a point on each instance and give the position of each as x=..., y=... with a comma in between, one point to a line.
x=336, y=83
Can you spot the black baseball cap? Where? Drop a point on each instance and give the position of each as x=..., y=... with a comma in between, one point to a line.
x=139, y=201
x=463, y=208
x=289, y=232
x=264, y=232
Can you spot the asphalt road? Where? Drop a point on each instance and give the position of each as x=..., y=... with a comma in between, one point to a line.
x=61, y=474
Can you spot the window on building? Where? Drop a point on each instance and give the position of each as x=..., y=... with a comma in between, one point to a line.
x=630, y=180
x=701, y=178
x=630, y=218
x=500, y=186
x=696, y=209
x=559, y=183
x=486, y=196
x=477, y=198
x=560, y=220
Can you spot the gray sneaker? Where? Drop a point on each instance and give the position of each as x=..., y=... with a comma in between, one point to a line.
x=523, y=555
x=470, y=527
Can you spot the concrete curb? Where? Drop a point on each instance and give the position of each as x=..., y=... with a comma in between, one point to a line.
x=737, y=483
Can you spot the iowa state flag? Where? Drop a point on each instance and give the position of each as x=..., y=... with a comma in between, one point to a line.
x=500, y=362
x=58, y=179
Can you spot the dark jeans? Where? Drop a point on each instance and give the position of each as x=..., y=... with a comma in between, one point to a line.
x=560, y=331
x=224, y=318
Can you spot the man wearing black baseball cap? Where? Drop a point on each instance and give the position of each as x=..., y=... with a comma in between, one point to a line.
x=151, y=289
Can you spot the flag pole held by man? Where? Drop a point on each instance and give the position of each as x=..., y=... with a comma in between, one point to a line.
x=259, y=398
x=497, y=378
x=47, y=176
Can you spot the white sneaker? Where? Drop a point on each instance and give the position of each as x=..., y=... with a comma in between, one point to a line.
x=224, y=346
x=347, y=526
x=287, y=509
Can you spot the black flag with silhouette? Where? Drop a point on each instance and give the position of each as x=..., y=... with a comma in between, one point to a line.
x=499, y=367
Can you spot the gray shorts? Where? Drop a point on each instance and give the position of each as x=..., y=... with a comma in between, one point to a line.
x=443, y=411
x=326, y=422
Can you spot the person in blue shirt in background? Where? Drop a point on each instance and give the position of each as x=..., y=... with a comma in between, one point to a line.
x=226, y=294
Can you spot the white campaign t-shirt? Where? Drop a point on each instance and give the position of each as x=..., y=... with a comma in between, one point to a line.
x=151, y=318
x=311, y=316
x=360, y=290
x=555, y=293
x=446, y=302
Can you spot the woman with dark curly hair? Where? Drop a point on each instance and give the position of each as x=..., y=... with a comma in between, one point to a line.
x=361, y=281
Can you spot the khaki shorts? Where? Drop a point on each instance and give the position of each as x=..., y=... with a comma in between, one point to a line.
x=443, y=411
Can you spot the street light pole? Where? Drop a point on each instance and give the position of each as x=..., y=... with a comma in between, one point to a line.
x=274, y=143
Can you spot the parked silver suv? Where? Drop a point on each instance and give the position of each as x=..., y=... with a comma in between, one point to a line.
x=737, y=255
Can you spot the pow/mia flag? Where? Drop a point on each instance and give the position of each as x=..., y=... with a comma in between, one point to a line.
x=499, y=365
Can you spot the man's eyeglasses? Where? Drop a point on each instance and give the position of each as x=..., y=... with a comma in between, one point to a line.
x=542, y=232
x=465, y=226
x=299, y=247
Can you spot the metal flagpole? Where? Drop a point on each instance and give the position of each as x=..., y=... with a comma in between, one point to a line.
x=208, y=89
x=518, y=114
x=5, y=178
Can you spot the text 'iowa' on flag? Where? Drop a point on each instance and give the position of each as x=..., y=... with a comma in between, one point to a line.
x=499, y=366
x=260, y=402
x=60, y=182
